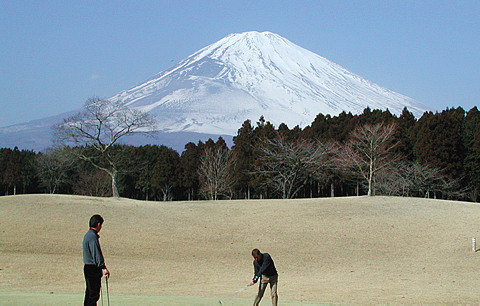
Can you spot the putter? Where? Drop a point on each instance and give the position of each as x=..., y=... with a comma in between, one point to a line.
x=233, y=295
x=101, y=292
x=108, y=296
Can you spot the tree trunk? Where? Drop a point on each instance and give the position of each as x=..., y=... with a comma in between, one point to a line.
x=115, y=192
x=370, y=179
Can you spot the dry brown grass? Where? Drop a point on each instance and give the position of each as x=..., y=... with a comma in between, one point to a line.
x=345, y=250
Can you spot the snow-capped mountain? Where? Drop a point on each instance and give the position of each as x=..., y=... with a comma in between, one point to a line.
x=242, y=76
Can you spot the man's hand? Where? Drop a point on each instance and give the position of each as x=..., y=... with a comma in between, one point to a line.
x=254, y=280
x=106, y=273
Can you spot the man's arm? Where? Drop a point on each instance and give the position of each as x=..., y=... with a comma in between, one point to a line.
x=255, y=277
x=97, y=254
x=98, y=257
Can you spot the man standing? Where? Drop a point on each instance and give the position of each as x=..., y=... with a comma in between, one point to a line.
x=94, y=262
x=265, y=270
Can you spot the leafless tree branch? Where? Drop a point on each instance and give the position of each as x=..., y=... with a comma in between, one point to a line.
x=100, y=125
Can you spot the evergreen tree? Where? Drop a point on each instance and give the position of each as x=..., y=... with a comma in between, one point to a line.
x=375, y=116
x=471, y=141
x=4, y=152
x=144, y=158
x=318, y=129
x=12, y=176
x=341, y=126
x=243, y=151
x=165, y=172
x=263, y=132
x=29, y=174
x=189, y=161
x=439, y=141
x=403, y=135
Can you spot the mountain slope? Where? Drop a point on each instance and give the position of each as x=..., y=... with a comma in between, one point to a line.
x=244, y=76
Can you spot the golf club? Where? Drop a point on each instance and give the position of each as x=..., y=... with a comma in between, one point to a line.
x=233, y=295
x=101, y=293
x=108, y=296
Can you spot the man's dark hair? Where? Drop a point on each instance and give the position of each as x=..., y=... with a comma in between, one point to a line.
x=94, y=220
x=256, y=252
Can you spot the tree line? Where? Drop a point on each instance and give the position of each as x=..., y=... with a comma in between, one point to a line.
x=373, y=153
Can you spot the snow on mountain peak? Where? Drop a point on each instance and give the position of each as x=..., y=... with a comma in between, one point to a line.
x=242, y=76
x=247, y=75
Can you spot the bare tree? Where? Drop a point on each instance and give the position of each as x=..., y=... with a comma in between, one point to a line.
x=287, y=166
x=166, y=191
x=53, y=166
x=424, y=180
x=94, y=183
x=415, y=179
x=215, y=173
x=100, y=125
x=368, y=151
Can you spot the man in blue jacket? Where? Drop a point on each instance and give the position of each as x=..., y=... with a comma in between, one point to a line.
x=264, y=268
x=94, y=262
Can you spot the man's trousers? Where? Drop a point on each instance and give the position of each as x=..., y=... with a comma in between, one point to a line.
x=264, y=281
x=93, y=280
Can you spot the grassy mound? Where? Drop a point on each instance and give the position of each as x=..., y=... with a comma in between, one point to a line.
x=339, y=250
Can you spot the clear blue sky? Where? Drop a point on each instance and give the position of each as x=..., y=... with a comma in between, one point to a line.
x=54, y=55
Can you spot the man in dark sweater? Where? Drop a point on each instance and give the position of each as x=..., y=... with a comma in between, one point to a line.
x=94, y=262
x=265, y=270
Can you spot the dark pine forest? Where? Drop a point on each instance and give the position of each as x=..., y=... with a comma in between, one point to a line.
x=375, y=153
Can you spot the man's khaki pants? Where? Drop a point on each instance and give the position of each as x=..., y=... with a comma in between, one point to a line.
x=264, y=281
